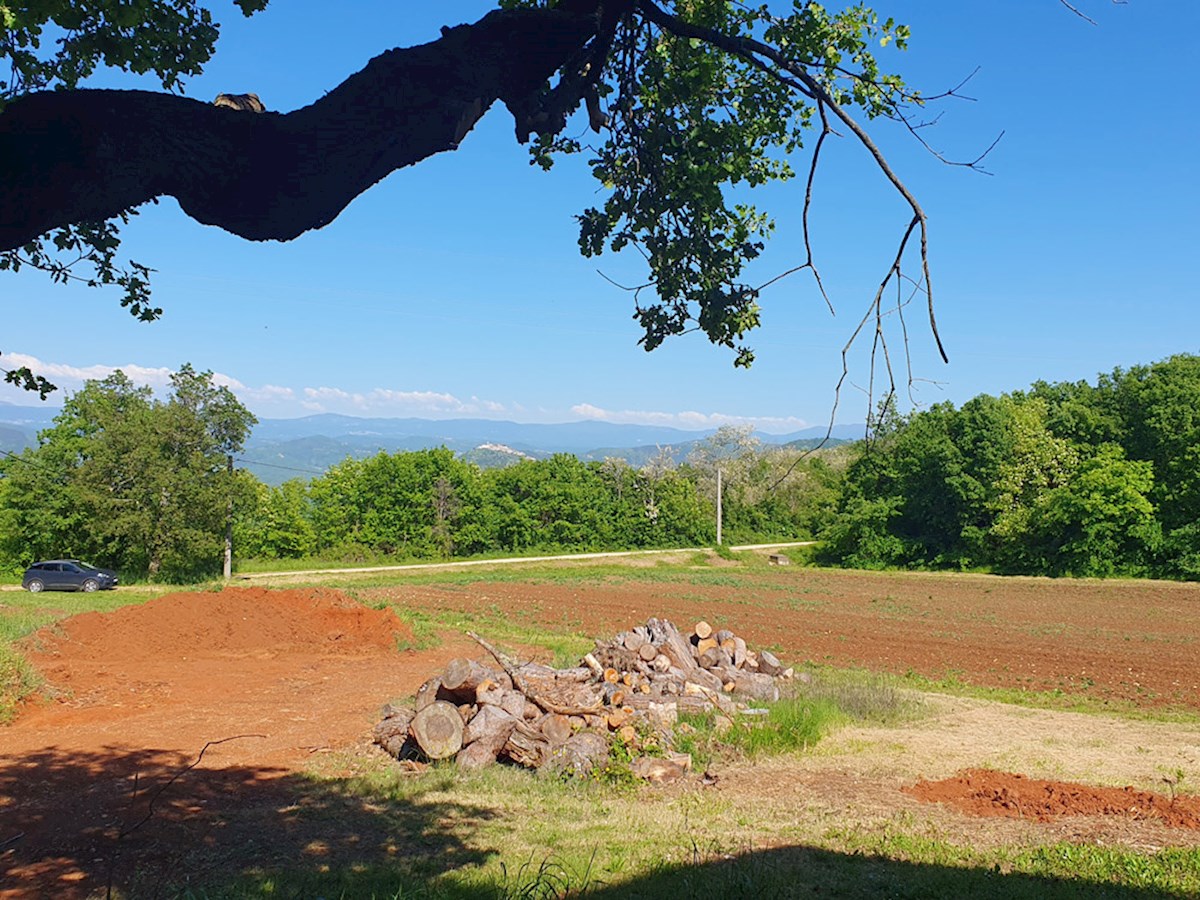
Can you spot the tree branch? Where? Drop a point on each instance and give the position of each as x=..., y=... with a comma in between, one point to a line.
x=811, y=87
x=76, y=156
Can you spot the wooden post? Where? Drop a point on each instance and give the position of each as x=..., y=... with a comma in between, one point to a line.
x=229, y=521
x=718, y=506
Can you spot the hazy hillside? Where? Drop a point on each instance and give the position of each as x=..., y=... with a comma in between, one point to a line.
x=281, y=449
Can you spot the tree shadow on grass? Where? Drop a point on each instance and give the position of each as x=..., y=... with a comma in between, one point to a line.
x=145, y=823
x=141, y=823
x=798, y=871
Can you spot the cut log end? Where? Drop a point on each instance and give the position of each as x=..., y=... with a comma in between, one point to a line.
x=438, y=730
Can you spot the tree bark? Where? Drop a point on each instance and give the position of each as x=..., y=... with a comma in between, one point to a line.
x=88, y=155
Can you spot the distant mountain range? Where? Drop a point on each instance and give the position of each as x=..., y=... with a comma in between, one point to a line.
x=280, y=449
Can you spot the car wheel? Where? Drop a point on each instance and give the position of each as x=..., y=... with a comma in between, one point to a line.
x=35, y=586
x=91, y=585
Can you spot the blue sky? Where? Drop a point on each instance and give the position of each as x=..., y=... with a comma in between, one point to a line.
x=455, y=287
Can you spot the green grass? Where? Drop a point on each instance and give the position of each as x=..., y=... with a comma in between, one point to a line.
x=1058, y=700
x=506, y=833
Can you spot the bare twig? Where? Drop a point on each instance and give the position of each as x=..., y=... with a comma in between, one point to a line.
x=1083, y=16
x=11, y=840
x=128, y=829
x=524, y=687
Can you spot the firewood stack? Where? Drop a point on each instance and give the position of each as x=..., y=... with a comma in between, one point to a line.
x=631, y=688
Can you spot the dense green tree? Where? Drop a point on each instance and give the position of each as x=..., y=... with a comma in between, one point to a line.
x=277, y=523
x=1100, y=521
x=1063, y=479
x=130, y=481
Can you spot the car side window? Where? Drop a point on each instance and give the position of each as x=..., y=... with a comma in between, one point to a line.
x=53, y=567
x=70, y=567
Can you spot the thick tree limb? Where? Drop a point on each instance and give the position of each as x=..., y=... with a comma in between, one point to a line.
x=73, y=156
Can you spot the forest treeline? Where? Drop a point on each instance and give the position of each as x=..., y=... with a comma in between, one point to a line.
x=1061, y=479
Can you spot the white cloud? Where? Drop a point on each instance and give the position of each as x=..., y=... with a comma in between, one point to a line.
x=69, y=377
x=391, y=402
x=689, y=419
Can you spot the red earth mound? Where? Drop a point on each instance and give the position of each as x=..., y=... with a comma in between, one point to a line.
x=985, y=792
x=235, y=620
x=268, y=677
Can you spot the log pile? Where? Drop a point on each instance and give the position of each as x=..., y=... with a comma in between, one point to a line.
x=631, y=688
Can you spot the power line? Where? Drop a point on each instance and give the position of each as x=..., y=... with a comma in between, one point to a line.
x=255, y=462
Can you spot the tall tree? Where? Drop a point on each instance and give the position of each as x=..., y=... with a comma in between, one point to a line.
x=131, y=481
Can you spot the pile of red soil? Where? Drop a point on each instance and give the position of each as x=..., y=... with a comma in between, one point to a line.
x=984, y=792
x=251, y=621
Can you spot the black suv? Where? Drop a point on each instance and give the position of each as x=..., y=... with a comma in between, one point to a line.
x=67, y=575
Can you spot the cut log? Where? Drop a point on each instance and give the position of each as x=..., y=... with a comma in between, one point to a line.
x=438, y=730
x=710, y=658
x=723, y=635
x=582, y=754
x=704, y=645
x=739, y=652
x=527, y=746
x=662, y=663
x=491, y=724
x=648, y=652
x=668, y=639
x=490, y=693
x=612, y=676
x=617, y=717
x=392, y=733
x=556, y=728
x=768, y=663
x=683, y=759
x=628, y=735
x=702, y=630
x=428, y=692
x=757, y=685
x=657, y=771
x=463, y=677
x=632, y=641
x=476, y=756
x=594, y=665
x=513, y=703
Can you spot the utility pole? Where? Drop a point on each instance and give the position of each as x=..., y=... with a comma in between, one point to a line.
x=718, y=506
x=229, y=520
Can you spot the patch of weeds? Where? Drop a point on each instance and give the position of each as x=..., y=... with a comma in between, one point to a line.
x=548, y=879
x=860, y=696
x=790, y=725
x=615, y=771
x=422, y=625
x=18, y=680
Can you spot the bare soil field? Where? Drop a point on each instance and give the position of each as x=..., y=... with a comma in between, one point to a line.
x=179, y=734
x=1119, y=640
